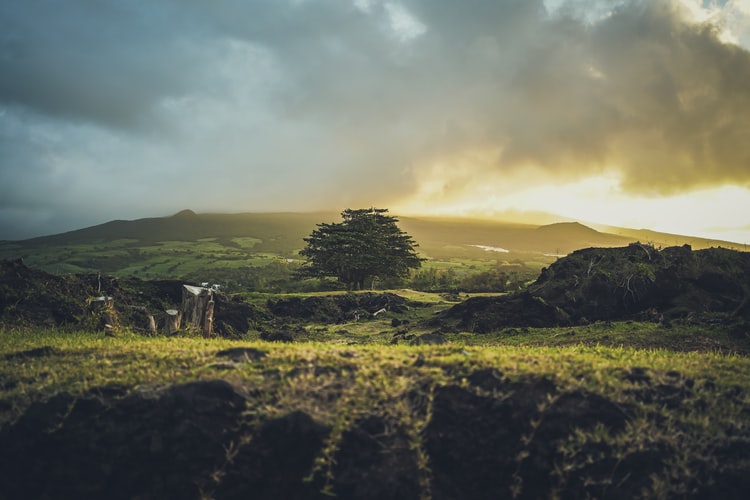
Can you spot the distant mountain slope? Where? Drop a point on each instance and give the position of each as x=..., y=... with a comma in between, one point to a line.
x=445, y=237
x=188, y=243
x=189, y=226
x=670, y=239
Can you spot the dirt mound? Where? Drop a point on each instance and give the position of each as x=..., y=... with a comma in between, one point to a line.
x=484, y=314
x=490, y=438
x=633, y=282
x=34, y=297
x=615, y=283
x=482, y=447
x=30, y=297
x=234, y=317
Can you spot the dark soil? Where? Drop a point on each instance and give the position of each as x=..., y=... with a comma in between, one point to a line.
x=492, y=438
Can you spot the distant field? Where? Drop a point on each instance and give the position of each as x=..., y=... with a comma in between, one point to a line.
x=221, y=260
x=253, y=251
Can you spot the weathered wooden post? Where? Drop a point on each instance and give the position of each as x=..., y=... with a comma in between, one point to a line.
x=151, y=323
x=198, y=308
x=208, y=320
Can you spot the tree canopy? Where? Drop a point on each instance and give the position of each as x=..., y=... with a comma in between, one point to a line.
x=368, y=244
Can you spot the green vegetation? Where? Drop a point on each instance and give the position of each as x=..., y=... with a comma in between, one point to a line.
x=260, y=252
x=79, y=361
x=665, y=423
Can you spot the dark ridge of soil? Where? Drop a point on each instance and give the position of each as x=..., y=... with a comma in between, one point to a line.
x=635, y=282
x=491, y=439
x=39, y=298
x=98, y=447
x=233, y=317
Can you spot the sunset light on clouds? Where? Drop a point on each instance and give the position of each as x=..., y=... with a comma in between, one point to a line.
x=632, y=113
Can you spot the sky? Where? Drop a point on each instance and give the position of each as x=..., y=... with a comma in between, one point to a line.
x=632, y=113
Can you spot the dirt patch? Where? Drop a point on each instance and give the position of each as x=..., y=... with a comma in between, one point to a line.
x=94, y=446
x=242, y=354
x=30, y=297
x=234, y=317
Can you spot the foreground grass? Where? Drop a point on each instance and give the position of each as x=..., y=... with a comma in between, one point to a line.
x=689, y=402
x=78, y=361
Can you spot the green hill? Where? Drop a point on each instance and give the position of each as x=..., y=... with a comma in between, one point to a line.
x=232, y=247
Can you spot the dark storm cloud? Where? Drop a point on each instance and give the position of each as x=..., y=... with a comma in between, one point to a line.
x=306, y=104
x=103, y=61
x=680, y=96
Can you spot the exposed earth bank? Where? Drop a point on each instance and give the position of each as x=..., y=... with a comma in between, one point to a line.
x=482, y=437
x=637, y=282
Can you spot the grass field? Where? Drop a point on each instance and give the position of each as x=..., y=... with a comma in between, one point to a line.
x=83, y=360
x=689, y=403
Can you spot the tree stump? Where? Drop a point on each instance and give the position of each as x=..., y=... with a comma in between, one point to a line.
x=198, y=308
x=104, y=308
x=173, y=321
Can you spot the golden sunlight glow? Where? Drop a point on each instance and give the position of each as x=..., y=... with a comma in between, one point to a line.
x=596, y=200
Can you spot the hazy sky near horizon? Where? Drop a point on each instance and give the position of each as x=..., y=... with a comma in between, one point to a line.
x=624, y=112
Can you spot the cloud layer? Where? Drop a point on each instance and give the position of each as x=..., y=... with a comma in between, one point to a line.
x=122, y=109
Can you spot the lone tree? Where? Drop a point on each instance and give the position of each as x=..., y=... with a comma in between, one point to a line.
x=366, y=245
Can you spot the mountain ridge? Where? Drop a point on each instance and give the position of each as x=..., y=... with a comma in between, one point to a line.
x=187, y=225
x=192, y=244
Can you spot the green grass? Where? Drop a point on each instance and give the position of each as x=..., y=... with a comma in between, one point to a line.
x=83, y=360
x=338, y=383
